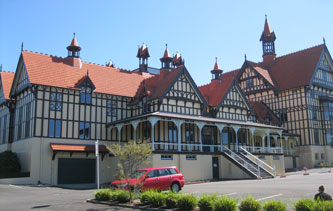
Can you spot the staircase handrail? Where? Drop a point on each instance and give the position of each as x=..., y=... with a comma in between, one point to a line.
x=245, y=165
x=261, y=163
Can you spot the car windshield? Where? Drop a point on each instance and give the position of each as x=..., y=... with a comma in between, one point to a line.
x=139, y=174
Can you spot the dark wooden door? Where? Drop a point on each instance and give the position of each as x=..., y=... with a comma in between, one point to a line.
x=215, y=165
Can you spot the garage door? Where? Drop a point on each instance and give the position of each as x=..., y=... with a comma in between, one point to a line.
x=76, y=171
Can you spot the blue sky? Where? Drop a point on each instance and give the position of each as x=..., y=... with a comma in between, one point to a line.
x=199, y=30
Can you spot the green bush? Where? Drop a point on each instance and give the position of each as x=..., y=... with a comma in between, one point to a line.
x=249, y=204
x=206, y=202
x=121, y=196
x=322, y=205
x=275, y=206
x=225, y=204
x=304, y=205
x=171, y=200
x=9, y=162
x=187, y=202
x=157, y=199
x=145, y=197
x=103, y=195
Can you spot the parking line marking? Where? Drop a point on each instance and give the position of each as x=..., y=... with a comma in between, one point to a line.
x=268, y=197
x=15, y=186
x=229, y=194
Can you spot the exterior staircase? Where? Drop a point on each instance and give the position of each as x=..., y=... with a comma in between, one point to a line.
x=252, y=165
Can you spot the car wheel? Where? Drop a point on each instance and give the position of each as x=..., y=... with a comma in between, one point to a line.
x=175, y=187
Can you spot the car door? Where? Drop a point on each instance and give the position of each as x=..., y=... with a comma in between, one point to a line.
x=164, y=179
x=151, y=181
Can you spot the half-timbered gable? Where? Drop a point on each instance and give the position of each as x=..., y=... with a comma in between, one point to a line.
x=226, y=99
x=171, y=91
x=183, y=97
x=234, y=105
x=6, y=79
x=254, y=79
x=323, y=75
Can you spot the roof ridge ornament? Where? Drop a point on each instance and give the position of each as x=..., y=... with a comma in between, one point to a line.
x=22, y=47
x=324, y=41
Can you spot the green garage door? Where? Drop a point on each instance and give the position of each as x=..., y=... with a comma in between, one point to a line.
x=76, y=171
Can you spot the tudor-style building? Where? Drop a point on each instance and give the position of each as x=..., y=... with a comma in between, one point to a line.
x=230, y=128
x=295, y=91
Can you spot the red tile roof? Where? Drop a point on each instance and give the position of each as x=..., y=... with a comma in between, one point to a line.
x=291, y=70
x=55, y=71
x=166, y=54
x=296, y=69
x=262, y=112
x=155, y=86
x=216, y=90
x=6, y=80
x=77, y=147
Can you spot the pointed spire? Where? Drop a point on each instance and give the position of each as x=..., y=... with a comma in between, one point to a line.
x=22, y=47
x=74, y=49
x=216, y=66
x=216, y=72
x=267, y=29
x=74, y=41
x=324, y=40
x=166, y=52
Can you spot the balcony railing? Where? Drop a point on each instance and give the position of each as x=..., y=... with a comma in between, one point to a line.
x=251, y=149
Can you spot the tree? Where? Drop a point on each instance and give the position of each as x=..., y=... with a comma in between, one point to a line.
x=131, y=157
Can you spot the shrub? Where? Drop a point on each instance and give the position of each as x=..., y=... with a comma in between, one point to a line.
x=187, y=202
x=275, y=206
x=122, y=196
x=304, y=205
x=206, y=202
x=103, y=195
x=225, y=204
x=9, y=162
x=322, y=205
x=145, y=197
x=157, y=199
x=249, y=204
x=171, y=200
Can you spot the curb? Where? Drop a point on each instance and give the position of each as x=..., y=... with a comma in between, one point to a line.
x=124, y=205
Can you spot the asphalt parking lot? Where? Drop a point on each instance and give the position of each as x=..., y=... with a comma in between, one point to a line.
x=288, y=189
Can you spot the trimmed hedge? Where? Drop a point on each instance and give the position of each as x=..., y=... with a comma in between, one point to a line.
x=225, y=204
x=275, y=206
x=187, y=202
x=171, y=200
x=250, y=204
x=304, y=205
x=206, y=202
x=103, y=195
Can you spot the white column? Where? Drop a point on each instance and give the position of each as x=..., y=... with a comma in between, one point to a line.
x=220, y=127
x=153, y=122
x=134, y=124
x=200, y=126
x=236, y=128
x=178, y=123
x=119, y=133
x=252, y=136
x=268, y=140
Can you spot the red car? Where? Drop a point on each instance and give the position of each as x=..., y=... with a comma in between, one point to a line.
x=160, y=178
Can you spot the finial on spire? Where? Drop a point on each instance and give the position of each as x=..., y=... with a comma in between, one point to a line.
x=22, y=47
x=74, y=34
x=0, y=68
x=245, y=57
x=265, y=16
x=324, y=40
x=215, y=59
x=166, y=45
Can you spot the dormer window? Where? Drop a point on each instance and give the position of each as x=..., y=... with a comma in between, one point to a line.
x=145, y=105
x=85, y=95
